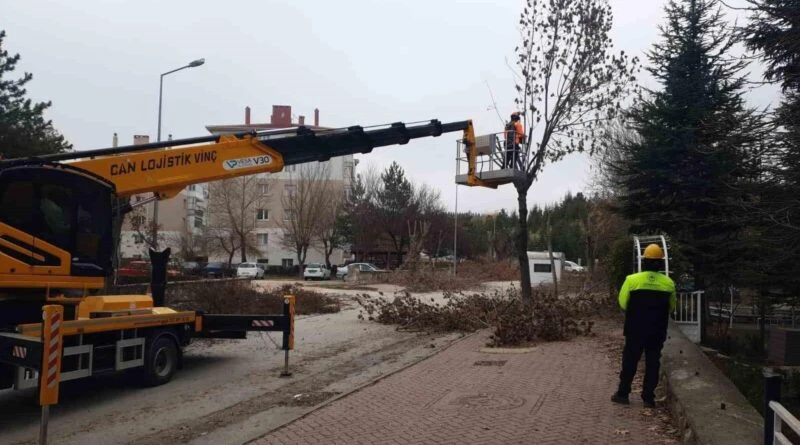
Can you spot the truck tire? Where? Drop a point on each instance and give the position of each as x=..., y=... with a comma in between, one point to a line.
x=160, y=361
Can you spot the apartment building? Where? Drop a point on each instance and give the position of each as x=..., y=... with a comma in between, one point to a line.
x=269, y=213
x=181, y=219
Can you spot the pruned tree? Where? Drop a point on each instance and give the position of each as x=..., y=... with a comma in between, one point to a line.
x=569, y=84
x=232, y=207
x=304, y=206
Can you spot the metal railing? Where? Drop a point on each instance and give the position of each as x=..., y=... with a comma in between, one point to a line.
x=688, y=308
x=493, y=154
x=782, y=415
x=775, y=414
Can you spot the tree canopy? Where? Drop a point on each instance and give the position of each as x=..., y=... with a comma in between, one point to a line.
x=23, y=129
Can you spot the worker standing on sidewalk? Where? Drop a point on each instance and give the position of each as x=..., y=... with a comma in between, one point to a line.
x=647, y=298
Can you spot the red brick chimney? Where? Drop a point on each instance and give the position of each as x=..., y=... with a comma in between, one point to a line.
x=302, y=120
x=247, y=115
x=281, y=116
x=316, y=117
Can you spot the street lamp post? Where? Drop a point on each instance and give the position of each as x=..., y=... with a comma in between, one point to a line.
x=192, y=64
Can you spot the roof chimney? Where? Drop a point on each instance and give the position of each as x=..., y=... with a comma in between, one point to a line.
x=281, y=116
x=302, y=120
x=316, y=117
x=115, y=141
x=247, y=115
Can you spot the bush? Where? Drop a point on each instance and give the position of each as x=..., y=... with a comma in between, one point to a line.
x=512, y=322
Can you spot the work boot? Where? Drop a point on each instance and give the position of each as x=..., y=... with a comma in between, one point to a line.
x=622, y=400
x=649, y=403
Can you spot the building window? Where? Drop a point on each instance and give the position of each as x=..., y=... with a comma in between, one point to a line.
x=263, y=188
x=287, y=262
x=191, y=187
x=290, y=168
x=137, y=220
x=541, y=268
x=289, y=188
x=288, y=214
x=262, y=215
x=198, y=219
x=263, y=239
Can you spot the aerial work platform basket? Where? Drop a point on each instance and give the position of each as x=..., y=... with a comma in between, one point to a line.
x=493, y=161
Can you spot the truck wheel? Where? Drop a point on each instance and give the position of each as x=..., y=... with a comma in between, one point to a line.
x=160, y=361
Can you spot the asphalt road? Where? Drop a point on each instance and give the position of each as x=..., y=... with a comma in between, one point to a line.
x=229, y=390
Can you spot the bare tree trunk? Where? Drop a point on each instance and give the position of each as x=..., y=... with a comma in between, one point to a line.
x=327, y=252
x=243, y=243
x=522, y=245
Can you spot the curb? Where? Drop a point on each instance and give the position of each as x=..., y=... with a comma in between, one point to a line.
x=362, y=386
x=706, y=406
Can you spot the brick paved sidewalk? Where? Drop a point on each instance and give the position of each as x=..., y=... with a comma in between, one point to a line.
x=556, y=394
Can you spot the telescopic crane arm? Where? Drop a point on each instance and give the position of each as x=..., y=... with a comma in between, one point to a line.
x=166, y=168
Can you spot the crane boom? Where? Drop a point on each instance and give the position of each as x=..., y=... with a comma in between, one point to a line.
x=166, y=168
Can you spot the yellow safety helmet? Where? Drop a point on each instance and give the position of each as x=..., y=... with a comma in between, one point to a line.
x=654, y=252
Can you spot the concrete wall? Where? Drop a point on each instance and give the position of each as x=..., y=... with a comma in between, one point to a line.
x=707, y=406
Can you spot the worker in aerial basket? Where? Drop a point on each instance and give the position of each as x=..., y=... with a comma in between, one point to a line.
x=515, y=135
x=647, y=298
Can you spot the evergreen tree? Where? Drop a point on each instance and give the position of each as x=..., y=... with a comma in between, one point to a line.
x=685, y=173
x=395, y=204
x=773, y=32
x=23, y=128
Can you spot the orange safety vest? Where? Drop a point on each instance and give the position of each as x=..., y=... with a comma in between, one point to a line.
x=519, y=131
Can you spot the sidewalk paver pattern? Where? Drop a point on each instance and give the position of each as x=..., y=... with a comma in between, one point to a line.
x=559, y=393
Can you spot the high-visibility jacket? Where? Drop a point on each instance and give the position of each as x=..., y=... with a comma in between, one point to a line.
x=520, y=132
x=647, y=298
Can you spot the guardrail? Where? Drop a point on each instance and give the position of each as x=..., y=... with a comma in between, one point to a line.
x=775, y=415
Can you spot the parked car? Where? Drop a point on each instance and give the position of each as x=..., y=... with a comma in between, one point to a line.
x=250, y=270
x=571, y=266
x=217, y=270
x=362, y=267
x=140, y=271
x=317, y=271
x=191, y=268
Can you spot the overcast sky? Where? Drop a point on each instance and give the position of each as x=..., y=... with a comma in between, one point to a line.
x=360, y=62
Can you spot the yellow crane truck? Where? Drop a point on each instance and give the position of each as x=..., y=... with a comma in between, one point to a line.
x=57, y=215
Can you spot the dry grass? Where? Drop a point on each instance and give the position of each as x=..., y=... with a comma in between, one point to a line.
x=470, y=275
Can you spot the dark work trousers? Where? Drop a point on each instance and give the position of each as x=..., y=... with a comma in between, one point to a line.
x=512, y=156
x=631, y=353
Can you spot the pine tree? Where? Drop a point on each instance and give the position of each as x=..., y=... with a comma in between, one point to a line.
x=23, y=128
x=685, y=174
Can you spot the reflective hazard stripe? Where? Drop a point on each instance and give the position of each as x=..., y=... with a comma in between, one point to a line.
x=53, y=348
x=19, y=352
x=263, y=323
